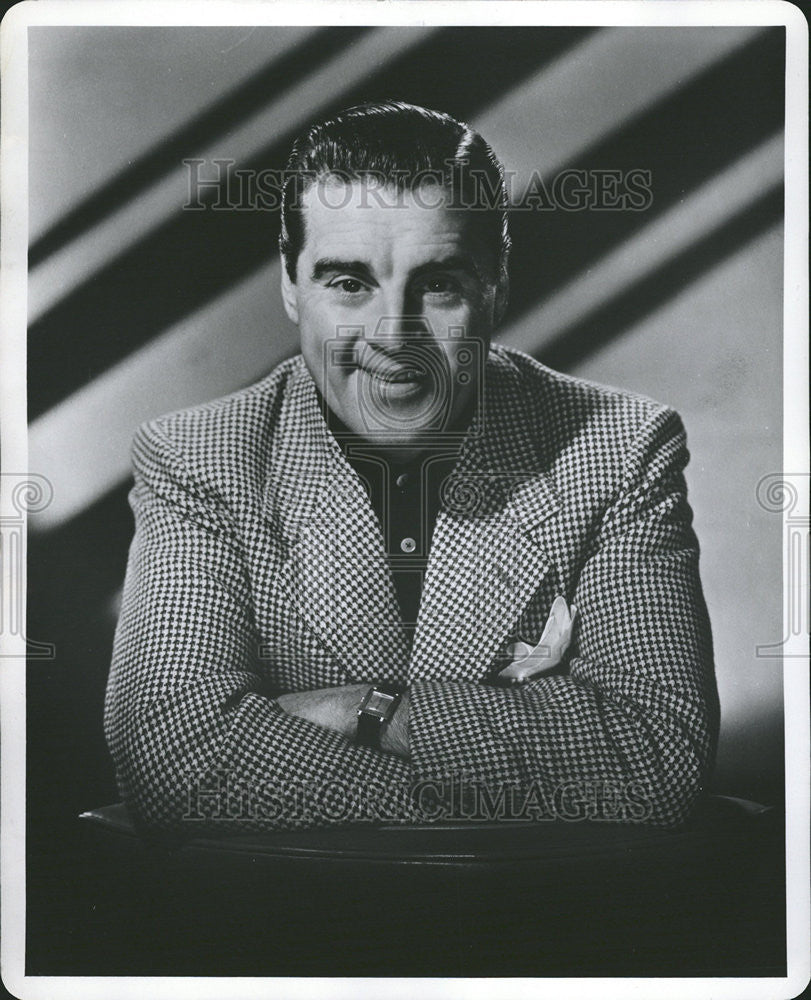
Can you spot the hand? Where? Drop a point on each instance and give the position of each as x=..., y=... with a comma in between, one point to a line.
x=548, y=654
x=333, y=708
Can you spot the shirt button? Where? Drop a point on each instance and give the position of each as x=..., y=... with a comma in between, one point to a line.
x=408, y=545
x=402, y=480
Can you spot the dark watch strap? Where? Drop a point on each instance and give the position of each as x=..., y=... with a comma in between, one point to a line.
x=370, y=730
x=377, y=708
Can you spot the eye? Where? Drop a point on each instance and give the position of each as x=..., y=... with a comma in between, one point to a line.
x=440, y=285
x=348, y=286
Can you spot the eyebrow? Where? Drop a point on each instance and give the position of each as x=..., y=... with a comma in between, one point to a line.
x=332, y=265
x=457, y=262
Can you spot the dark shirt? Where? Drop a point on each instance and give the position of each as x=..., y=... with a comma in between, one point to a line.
x=406, y=497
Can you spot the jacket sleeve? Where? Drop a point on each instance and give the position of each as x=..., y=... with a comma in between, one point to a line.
x=196, y=740
x=635, y=719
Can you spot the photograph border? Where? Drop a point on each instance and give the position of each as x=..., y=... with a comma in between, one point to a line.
x=13, y=307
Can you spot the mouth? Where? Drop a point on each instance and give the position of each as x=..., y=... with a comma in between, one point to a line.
x=399, y=376
x=395, y=372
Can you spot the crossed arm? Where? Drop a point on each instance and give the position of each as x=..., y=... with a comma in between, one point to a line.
x=193, y=730
x=337, y=708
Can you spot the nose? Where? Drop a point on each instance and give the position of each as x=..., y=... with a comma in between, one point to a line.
x=402, y=319
x=398, y=329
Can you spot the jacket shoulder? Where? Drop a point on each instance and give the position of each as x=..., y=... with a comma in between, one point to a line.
x=584, y=394
x=586, y=431
x=222, y=438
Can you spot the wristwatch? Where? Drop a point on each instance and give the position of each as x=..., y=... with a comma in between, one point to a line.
x=378, y=706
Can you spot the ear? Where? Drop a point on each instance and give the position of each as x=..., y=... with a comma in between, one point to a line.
x=289, y=295
x=502, y=297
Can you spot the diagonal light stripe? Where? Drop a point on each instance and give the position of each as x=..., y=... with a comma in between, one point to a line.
x=245, y=333
x=590, y=91
x=195, y=361
x=83, y=444
x=75, y=263
x=536, y=116
x=111, y=132
x=719, y=199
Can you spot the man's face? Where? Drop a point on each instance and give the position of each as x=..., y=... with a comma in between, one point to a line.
x=396, y=299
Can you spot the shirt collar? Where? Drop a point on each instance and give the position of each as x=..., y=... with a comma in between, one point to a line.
x=352, y=444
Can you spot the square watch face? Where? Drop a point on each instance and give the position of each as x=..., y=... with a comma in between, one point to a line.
x=378, y=703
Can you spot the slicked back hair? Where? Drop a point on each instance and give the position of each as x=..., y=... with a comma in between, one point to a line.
x=404, y=146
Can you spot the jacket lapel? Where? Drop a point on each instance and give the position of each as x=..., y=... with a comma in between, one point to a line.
x=488, y=554
x=489, y=551
x=335, y=570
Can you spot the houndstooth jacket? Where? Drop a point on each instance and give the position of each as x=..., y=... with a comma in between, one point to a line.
x=258, y=567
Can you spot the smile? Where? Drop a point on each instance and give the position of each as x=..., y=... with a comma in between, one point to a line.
x=396, y=374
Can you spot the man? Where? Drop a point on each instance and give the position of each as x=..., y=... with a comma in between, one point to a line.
x=356, y=580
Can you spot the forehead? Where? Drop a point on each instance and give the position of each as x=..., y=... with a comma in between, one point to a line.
x=383, y=224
